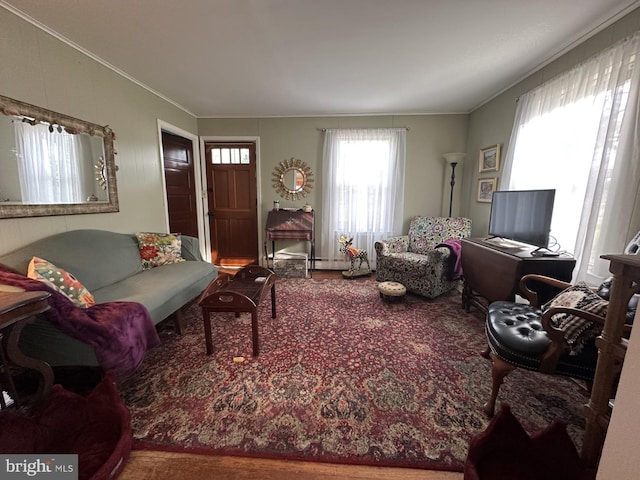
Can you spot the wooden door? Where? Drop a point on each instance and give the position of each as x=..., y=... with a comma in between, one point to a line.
x=179, y=178
x=232, y=203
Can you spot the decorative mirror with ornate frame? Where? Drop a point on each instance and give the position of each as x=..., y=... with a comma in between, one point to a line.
x=292, y=179
x=54, y=164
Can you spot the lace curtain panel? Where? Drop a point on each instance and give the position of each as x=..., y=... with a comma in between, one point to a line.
x=362, y=189
x=578, y=133
x=49, y=166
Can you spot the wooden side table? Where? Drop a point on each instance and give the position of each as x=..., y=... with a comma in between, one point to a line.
x=290, y=225
x=241, y=292
x=17, y=309
x=493, y=273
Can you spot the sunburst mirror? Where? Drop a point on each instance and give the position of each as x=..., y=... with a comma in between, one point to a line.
x=292, y=179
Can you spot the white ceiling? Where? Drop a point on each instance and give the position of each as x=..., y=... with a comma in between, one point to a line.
x=255, y=58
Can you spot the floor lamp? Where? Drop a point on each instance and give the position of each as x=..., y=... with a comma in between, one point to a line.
x=453, y=159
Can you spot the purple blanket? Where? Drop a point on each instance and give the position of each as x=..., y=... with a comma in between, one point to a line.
x=119, y=332
x=454, y=271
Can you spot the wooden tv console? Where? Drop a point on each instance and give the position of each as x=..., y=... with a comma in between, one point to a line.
x=492, y=272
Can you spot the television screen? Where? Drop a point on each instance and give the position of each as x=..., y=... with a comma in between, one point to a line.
x=522, y=215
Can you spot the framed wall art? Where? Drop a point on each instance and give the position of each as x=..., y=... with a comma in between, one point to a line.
x=486, y=187
x=490, y=159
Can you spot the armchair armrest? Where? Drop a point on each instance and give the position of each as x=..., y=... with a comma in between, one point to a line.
x=526, y=286
x=558, y=344
x=392, y=245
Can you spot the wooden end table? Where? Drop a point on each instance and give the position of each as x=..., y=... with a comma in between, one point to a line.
x=238, y=293
x=17, y=309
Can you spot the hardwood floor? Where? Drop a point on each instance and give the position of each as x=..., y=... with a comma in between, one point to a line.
x=330, y=274
x=152, y=465
x=316, y=274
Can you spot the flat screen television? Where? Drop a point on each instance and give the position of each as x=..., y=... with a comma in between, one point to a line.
x=522, y=215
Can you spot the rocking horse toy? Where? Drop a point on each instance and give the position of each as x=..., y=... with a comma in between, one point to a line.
x=354, y=254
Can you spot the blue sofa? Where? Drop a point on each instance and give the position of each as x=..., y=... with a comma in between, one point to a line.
x=109, y=265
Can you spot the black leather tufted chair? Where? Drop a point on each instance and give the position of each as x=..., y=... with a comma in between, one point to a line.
x=521, y=336
x=605, y=289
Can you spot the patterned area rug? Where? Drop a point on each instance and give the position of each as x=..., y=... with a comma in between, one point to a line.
x=341, y=377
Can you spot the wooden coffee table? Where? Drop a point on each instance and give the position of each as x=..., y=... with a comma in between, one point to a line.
x=238, y=293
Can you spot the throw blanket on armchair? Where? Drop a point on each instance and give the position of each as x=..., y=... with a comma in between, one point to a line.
x=119, y=332
x=454, y=268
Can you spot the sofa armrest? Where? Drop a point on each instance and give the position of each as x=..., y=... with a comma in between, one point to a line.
x=392, y=245
x=191, y=249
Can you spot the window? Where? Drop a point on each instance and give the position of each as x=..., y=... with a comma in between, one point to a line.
x=575, y=133
x=230, y=156
x=50, y=167
x=363, y=188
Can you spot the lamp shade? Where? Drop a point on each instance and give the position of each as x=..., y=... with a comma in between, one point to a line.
x=455, y=157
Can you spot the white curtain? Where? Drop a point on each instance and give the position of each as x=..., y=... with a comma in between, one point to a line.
x=362, y=189
x=49, y=165
x=578, y=133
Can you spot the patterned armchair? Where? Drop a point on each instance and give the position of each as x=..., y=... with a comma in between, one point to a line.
x=414, y=261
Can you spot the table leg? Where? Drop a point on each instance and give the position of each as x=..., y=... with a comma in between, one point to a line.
x=254, y=332
x=313, y=255
x=10, y=385
x=273, y=301
x=273, y=253
x=17, y=357
x=207, y=331
x=266, y=254
x=178, y=321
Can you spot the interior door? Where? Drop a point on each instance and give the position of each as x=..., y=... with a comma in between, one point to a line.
x=179, y=178
x=232, y=203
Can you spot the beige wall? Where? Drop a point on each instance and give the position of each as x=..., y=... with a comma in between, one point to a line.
x=41, y=70
x=428, y=137
x=492, y=123
x=620, y=458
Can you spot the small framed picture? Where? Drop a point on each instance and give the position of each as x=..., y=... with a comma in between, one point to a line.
x=490, y=159
x=486, y=187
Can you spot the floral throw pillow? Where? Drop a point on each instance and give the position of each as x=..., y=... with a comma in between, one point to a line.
x=159, y=249
x=578, y=331
x=61, y=281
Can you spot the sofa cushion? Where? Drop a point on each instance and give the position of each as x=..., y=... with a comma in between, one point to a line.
x=61, y=281
x=158, y=249
x=162, y=290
